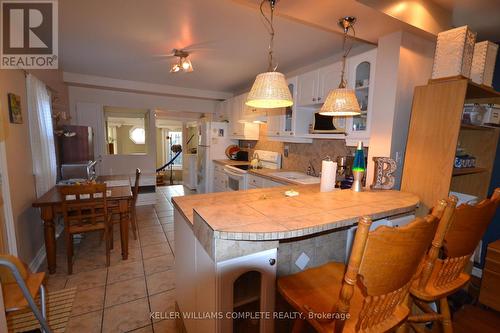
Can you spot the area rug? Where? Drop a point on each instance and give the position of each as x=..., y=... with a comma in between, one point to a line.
x=59, y=305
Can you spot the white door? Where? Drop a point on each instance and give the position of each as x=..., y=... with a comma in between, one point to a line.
x=329, y=78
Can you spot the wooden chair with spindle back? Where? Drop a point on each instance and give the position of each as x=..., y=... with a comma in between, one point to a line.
x=372, y=291
x=85, y=209
x=131, y=208
x=443, y=269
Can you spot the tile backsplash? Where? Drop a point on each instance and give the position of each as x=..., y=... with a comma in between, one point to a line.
x=299, y=154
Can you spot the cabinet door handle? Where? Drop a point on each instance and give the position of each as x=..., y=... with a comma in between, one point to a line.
x=319, y=98
x=291, y=133
x=272, y=261
x=314, y=99
x=277, y=133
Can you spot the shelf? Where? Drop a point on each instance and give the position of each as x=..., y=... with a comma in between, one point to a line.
x=476, y=127
x=362, y=88
x=475, y=92
x=467, y=171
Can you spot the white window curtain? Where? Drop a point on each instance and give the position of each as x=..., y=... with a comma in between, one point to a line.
x=41, y=135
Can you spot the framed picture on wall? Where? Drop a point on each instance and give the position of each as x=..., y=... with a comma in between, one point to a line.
x=15, y=114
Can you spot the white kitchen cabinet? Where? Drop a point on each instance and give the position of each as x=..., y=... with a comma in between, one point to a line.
x=239, y=129
x=220, y=179
x=288, y=124
x=308, y=85
x=313, y=87
x=362, y=80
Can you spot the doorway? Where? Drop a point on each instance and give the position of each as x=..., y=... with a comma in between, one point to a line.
x=169, y=151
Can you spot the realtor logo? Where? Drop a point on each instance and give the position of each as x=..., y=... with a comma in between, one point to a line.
x=29, y=34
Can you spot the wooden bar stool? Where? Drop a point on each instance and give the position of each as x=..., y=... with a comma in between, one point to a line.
x=372, y=291
x=85, y=209
x=442, y=271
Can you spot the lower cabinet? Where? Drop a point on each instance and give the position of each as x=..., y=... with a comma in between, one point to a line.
x=210, y=294
x=255, y=181
x=220, y=179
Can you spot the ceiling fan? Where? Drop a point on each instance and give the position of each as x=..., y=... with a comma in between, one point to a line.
x=182, y=62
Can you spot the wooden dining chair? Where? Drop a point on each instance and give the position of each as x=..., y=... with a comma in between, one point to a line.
x=85, y=210
x=370, y=294
x=131, y=216
x=20, y=288
x=443, y=269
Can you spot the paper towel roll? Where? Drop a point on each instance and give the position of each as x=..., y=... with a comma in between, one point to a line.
x=328, y=175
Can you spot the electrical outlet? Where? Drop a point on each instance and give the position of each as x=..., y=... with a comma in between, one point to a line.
x=302, y=261
x=399, y=157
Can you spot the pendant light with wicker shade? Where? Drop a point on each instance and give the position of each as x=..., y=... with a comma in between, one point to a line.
x=342, y=101
x=270, y=89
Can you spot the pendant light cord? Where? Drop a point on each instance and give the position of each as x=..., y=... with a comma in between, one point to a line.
x=270, y=29
x=343, y=82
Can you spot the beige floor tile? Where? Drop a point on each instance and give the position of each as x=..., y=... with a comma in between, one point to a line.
x=147, y=230
x=87, y=280
x=165, y=326
x=161, y=281
x=125, y=271
x=87, y=323
x=88, y=301
x=158, y=264
x=154, y=239
x=165, y=213
x=89, y=263
x=126, y=317
x=166, y=219
x=163, y=302
x=56, y=282
x=145, y=329
x=156, y=250
x=134, y=254
x=125, y=291
x=148, y=222
x=167, y=227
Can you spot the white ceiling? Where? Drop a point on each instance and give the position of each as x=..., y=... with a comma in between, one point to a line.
x=122, y=39
x=483, y=16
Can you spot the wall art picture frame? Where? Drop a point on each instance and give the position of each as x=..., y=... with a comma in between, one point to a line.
x=15, y=114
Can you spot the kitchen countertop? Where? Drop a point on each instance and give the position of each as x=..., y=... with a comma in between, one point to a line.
x=266, y=173
x=267, y=214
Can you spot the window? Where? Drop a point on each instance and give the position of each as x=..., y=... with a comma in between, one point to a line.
x=175, y=139
x=126, y=131
x=138, y=135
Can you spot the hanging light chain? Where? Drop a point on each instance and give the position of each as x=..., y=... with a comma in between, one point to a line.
x=270, y=29
x=343, y=82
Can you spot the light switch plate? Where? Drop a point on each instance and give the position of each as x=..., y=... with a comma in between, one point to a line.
x=302, y=261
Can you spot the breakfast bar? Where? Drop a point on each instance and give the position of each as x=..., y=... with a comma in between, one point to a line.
x=225, y=240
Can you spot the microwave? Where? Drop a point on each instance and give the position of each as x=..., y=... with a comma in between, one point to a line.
x=82, y=170
x=325, y=124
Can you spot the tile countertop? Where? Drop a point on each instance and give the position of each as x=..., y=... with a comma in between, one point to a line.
x=267, y=214
x=261, y=172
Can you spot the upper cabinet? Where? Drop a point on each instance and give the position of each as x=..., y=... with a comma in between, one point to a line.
x=362, y=80
x=313, y=87
x=240, y=129
x=288, y=124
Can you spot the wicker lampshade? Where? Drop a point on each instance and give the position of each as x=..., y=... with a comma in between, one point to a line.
x=270, y=90
x=341, y=102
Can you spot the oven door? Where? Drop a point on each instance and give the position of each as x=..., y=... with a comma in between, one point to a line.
x=236, y=181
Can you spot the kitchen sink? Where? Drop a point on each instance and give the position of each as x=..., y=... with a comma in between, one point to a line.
x=297, y=177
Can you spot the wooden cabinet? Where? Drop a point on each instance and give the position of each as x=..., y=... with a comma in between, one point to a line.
x=329, y=78
x=490, y=283
x=435, y=132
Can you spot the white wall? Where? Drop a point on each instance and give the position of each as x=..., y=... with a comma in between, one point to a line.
x=86, y=106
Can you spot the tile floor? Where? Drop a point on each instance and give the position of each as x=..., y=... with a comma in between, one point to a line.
x=120, y=298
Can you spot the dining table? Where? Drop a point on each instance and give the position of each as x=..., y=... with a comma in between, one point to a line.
x=119, y=194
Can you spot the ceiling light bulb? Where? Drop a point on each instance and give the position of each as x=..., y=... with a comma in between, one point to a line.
x=175, y=68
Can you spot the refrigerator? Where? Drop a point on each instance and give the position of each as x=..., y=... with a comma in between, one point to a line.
x=213, y=139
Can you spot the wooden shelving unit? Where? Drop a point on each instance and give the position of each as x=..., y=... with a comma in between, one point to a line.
x=467, y=171
x=435, y=132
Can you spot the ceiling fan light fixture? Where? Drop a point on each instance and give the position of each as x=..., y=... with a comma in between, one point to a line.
x=183, y=64
x=270, y=89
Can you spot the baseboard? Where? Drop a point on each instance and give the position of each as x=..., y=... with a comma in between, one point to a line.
x=35, y=264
